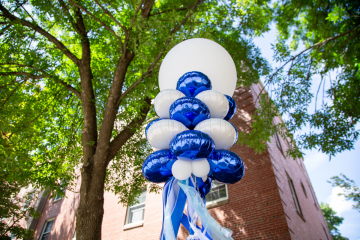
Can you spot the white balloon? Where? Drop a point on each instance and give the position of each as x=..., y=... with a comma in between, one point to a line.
x=181, y=169
x=200, y=167
x=164, y=100
x=216, y=102
x=203, y=55
x=161, y=133
x=221, y=131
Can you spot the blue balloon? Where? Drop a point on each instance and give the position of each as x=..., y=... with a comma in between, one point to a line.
x=149, y=125
x=193, y=83
x=192, y=144
x=189, y=111
x=232, y=108
x=226, y=167
x=204, y=187
x=157, y=166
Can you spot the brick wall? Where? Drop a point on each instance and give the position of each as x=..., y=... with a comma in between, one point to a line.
x=260, y=206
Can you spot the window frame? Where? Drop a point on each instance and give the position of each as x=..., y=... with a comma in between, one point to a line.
x=30, y=197
x=219, y=200
x=128, y=212
x=57, y=196
x=303, y=188
x=295, y=197
x=278, y=143
x=44, y=227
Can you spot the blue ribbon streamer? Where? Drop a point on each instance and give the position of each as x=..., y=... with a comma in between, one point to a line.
x=174, y=200
x=175, y=195
x=207, y=221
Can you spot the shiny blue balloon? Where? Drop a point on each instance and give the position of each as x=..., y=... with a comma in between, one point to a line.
x=193, y=83
x=204, y=187
x=232, y=108
x=149, y=125
x=157, y=166
x=189, y=111
x=192, y=144
x=226, y=167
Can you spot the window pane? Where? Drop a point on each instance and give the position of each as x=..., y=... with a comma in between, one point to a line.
x=48, y=226
x=218, y=191
x=45, y=236
x=136, y=213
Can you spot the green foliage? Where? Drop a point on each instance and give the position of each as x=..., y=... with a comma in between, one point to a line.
x=329, y=30
x=13, y=209
x=332, y=221
x=351, y=191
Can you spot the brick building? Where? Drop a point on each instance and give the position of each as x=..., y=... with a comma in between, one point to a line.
x=274, y=200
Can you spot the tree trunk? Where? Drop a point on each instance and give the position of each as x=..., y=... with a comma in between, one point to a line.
x=90, y=213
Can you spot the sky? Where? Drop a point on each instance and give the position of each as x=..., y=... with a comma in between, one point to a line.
x=320, y=169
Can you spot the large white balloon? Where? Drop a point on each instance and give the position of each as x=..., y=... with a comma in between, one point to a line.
x=200, y=167
x=164, y=100
x=181, y=169
x=161, y=133
x=221, y=132
x=216, y=102
x=203, y=55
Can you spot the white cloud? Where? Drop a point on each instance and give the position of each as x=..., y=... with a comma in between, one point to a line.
x=338, y=203
x=314, y=160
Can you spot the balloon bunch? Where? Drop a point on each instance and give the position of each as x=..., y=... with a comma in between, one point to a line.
x=192, y=134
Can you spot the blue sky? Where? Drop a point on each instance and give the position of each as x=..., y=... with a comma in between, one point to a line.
x=321, y=169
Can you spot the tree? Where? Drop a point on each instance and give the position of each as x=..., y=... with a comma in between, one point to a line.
x=351, y=191
x=332, y=221
x=329, y=31
x=77, y=79
x=13, y=209
x=14, y=204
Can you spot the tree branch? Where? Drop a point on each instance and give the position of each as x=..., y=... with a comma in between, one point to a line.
x=51, y=38
x=67, y=13
x=307, y=49
x=158, y=57
x=96, y=19
x=170, y=10
x=67, y=86
x=128, y=132
x=111, y=16
x=7, y=98
x=145, y=11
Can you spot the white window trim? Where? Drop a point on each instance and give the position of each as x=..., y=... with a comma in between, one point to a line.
x=56, y=198
x=42, y=232
x=134, y=224
x=128, y=213
x=220, y=200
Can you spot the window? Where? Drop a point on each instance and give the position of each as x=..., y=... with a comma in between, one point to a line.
x=217, y=193
x=59, y=195
x=135, y=212
x=47, y=228
x=325, y=233
x=29, y=198
x=313, y=196
x=277, y=140
x=303, y=188
x=293, y=193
